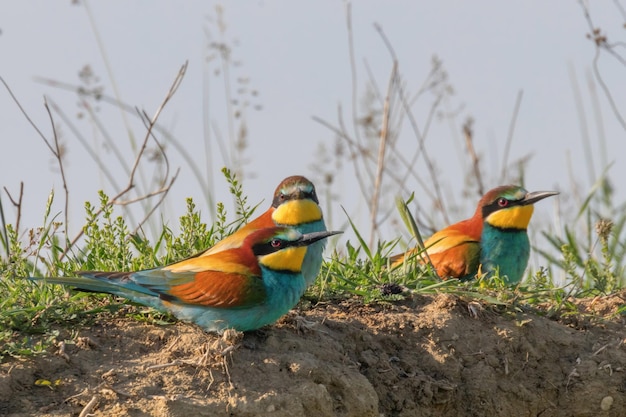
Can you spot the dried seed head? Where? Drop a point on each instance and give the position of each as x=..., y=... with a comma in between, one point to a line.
x=603, y=228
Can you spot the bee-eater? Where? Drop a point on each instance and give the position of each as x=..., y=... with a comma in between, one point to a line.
x=494, y=238
x=243, y=288
x=295, y=204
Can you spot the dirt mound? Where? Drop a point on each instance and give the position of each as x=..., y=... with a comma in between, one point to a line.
x=428, y=356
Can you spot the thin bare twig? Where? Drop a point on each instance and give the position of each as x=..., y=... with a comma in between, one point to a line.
x=78, y=135
x=90, y=405
x=58, y=154
x=109, y=68
x=206, y=127
x=358, y=150
x=143, y=197
x=384, y=134
x=429, y=164
x=163, y=193
x=102, y=166
x=81, y=91
x=605, y=88
x=468, y=133
x=362, y=151
x=146, y=122
x=353, y=72
x=225, y=60
x=56, y=149
x=30, y=121
x=509, y=138
x=599, y=123
x=5, y=234
x=360, y=155
x=18, y=205
x=131, y=181
x=583, y=126
x=601, y=42
x=420, y=137
x=169, y=95
x=189, y=161
x=105, y=135
x=399, y=154
x=353, y=147
x=413, y=162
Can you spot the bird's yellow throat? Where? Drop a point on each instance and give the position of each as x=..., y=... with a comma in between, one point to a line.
x=516, y=217
x=289, y=259
x=295, y=212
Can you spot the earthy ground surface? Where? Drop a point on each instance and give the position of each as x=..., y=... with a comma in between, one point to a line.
x=427, y=356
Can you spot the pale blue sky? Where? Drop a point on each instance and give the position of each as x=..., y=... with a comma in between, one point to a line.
x=296, y=56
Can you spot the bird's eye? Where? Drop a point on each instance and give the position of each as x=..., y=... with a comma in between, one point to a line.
x=503, y=202
x=282, y=197
x=276, y=243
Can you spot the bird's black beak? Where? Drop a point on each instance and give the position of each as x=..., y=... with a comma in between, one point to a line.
x=532, y=198
x=310, y=238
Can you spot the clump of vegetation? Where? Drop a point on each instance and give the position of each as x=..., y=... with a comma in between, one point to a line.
x=31, y=312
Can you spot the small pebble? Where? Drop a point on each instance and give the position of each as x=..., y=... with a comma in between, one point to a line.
x=606, y=403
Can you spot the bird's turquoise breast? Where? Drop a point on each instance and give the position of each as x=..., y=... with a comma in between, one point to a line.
x=504, y=250
x=283, y=290
x=313, y=258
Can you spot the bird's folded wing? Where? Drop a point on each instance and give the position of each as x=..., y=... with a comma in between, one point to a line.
x=219, y=290
x=452, y=252
x=225, y=280
x=447, y=239
x=439, y=242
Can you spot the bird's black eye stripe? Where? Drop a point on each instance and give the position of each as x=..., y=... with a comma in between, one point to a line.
x=271, y=246
x=499, y=204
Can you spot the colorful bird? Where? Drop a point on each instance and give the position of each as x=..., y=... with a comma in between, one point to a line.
x=294, y=204
x=494, y=238
x=243, y=288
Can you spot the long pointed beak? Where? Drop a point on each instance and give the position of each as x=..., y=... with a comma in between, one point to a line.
x=532, y=198
x=310, y=238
